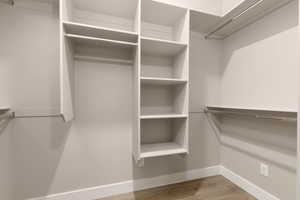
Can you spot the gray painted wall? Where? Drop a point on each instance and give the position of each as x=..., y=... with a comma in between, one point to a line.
x=260, y=69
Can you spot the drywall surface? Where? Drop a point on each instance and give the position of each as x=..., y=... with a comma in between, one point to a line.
x=261, y=70
x=261, y=63
x=208, y=6
x=95, y=149
x=6, y=164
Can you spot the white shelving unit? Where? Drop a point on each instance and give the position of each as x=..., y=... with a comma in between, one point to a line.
x=162, y=81
x=153, y=37
x=131, y=32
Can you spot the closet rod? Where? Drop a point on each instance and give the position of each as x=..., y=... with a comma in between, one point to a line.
x=207, y=36
x=290, y=119
x=35, y=116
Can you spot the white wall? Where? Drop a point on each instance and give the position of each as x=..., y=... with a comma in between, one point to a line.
x=260, y=69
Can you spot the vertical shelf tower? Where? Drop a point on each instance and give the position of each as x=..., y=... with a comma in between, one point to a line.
x=151, y=36
x=162, y=81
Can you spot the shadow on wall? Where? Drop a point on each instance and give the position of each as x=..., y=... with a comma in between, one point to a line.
x=38, y=147
x=263, y=139
x=273, y=24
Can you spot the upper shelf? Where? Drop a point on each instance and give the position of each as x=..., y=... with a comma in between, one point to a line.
x=239, y=17
x=99, y=32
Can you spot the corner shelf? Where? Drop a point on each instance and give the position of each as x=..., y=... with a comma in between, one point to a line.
x=244, y=14
x=260, y=113
x=161, y=149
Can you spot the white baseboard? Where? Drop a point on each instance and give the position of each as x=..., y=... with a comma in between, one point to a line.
x=140, y=184
x=132, y=185
x=246, y=185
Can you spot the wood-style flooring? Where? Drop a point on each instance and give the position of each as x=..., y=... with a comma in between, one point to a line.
x=212, y=188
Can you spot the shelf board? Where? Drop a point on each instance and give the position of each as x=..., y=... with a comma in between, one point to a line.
x=252, y=15
x=161, y=149
x=253, y=109
x=86, y=40
x=159, y=47
x=163, y=116
x=99, y=32
x=102, y=59
x=162, y=81
x=205, y=22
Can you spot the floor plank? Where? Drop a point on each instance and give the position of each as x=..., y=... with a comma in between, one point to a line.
x=212, y=188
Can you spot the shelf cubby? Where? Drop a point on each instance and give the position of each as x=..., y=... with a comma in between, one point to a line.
x=164, y=99
x=161, y=137
x=161, y=59
x=112, y=14
x=164, y=21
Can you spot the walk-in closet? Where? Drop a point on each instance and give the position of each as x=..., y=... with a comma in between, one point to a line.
x=149, y=100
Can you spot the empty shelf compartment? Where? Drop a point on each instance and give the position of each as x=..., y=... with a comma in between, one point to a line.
x=164, y=60
x=164, y=21
x=161, y=137
x=113, y=14
x=164, y=99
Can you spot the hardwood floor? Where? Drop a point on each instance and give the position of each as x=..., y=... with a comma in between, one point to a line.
x=213, y=188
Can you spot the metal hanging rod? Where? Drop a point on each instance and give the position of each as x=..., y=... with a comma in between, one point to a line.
x=229, y=21
x=290, y=119
x=13, y=115
x=36, y=116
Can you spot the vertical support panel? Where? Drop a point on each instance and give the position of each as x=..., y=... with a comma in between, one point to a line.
x=66, y=66
x=137, y=88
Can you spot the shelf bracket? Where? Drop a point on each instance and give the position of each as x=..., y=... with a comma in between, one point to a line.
x=141, y=162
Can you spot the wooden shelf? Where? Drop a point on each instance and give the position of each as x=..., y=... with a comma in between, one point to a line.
x=161, y=149
x=163, y=116
x=99, y=32
x=158, y=47
x=162, y=81
x=79, y=39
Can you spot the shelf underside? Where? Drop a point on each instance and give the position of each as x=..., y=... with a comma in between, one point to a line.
x=157, y=47
x=99, y=32
x=161, y=149
x=93, y=41
x=164, y=116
